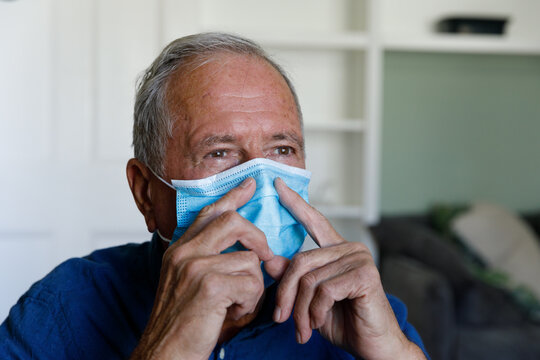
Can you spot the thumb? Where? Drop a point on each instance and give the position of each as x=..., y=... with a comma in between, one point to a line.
x=276, y=266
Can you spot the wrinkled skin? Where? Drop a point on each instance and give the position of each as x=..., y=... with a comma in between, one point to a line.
x=231, y=110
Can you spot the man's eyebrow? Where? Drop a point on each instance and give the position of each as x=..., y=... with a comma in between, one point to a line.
x=216, y=139
x=290, y=137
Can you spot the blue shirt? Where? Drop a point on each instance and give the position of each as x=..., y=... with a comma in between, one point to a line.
x=97, y=307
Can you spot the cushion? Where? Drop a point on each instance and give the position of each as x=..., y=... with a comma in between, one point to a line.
x=408, y=237
x=503, y=241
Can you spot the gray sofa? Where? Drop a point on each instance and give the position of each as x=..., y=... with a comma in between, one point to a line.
x=457, y=315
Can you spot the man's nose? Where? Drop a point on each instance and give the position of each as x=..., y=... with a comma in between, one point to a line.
x=257, y=153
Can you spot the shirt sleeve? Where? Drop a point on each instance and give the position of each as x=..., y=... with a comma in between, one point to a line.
x=400, y=311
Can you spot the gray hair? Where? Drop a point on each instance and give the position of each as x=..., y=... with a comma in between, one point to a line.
x=153, y=125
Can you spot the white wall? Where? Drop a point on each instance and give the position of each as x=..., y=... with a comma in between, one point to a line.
x=67, y=81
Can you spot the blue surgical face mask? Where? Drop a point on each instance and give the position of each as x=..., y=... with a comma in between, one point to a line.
x=284, y=234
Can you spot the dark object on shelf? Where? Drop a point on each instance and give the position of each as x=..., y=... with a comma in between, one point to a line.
x=472, y=25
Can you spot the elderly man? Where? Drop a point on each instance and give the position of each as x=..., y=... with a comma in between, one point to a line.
x=208, y=105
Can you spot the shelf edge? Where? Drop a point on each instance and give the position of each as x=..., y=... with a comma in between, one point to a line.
x=464, y=45
x=344, y=41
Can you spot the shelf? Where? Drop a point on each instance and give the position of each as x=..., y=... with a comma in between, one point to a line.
x=464, y=44
x=350, y=125
x=341, y=211
x=337, y=41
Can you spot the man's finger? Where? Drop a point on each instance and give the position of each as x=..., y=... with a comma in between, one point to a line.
x=276, y=266
x=232, y=200
x=230, y=263
x=302, y=264
x=308, y=286
x=318, y=227
x=224, y=231
x=243, y=290
x=327, y=293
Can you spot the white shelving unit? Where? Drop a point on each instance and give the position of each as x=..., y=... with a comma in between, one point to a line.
x=414, y=31
x=337, y=199
x=330, y=49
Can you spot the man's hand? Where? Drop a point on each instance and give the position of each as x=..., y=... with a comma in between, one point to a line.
x=336, y=289
x=199, y=288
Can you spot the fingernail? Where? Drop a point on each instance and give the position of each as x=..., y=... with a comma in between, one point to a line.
x=277, y=314
x=298, y=337
x=246, y=182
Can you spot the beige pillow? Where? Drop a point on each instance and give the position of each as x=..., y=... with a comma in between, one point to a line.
x=503, y=241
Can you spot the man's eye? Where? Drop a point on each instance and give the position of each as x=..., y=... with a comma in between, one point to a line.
x=284, y=150
x=218, y=153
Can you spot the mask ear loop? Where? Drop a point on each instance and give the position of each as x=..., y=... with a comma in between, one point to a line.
x=160, y=178
x=167, y=240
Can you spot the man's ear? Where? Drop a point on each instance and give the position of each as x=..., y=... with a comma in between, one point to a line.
x=139, y=178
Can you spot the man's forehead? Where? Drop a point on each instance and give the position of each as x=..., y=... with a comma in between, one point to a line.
x=227, y=76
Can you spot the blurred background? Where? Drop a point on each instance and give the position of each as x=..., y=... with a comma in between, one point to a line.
x=421, y=119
